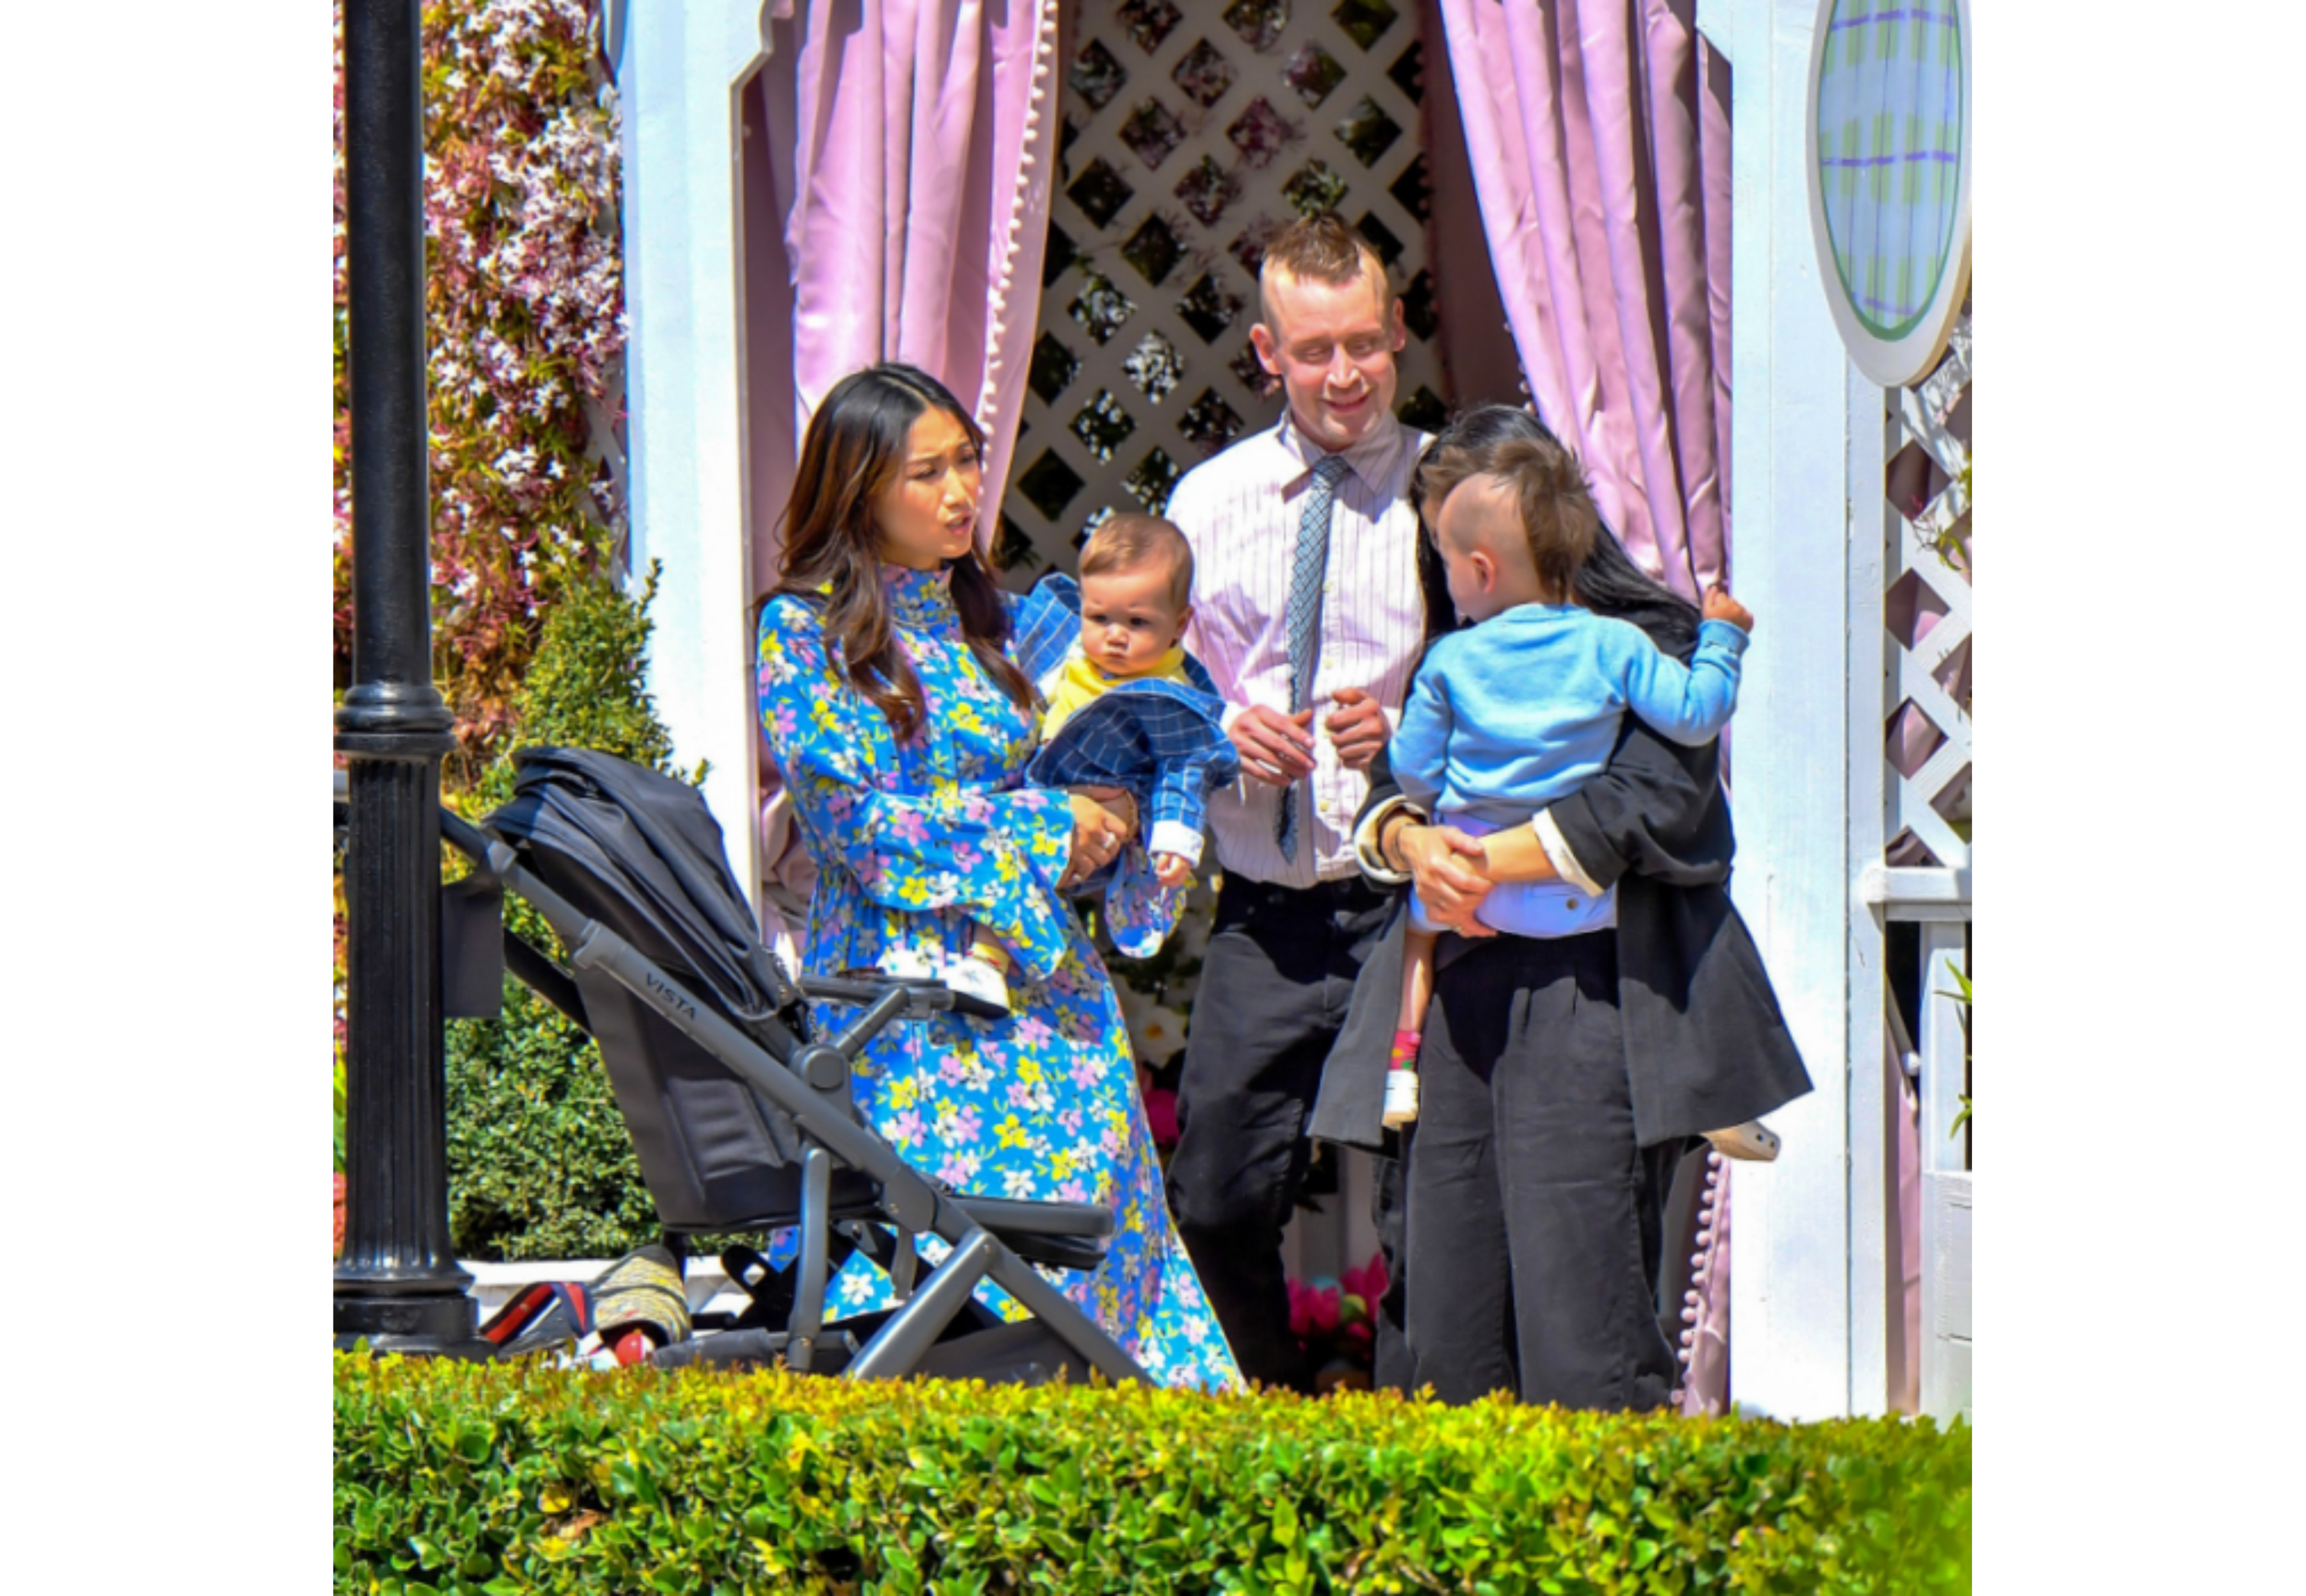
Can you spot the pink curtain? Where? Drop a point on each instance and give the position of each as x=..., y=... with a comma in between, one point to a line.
x=915, y=140
x=1598, y=135
x=908, y=147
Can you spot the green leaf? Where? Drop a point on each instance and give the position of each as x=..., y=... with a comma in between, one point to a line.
x=1285, y=1522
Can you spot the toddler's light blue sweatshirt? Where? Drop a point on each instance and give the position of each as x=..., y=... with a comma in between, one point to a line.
x=1513, y=714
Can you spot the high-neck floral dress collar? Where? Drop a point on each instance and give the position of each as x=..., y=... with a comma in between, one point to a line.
x=919, y=601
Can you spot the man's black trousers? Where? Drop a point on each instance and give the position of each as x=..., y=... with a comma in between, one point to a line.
x=1275, y=983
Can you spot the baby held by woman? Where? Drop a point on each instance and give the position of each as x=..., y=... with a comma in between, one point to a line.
x=1520, y=709
x=1135, y=596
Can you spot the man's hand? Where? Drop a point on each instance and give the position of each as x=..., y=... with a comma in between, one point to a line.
x=1358, y=728
x=1719, y=606
x=1275, y=748
x=1451, y=869
x=1173, y=870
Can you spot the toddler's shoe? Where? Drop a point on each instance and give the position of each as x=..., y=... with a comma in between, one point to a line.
x=974, y=977
x=1753, y=1139
x=1400, y=1098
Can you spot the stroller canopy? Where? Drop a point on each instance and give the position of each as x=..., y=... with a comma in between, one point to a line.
x=640, y=852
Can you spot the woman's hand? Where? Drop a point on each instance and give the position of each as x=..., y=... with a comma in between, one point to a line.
x=1099, y=835
x=1452, y=873
x=1116, y=801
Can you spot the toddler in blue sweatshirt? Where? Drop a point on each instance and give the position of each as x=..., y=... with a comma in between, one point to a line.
x=1519, y=710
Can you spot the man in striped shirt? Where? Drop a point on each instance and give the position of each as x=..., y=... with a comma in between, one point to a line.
x=1307, y=613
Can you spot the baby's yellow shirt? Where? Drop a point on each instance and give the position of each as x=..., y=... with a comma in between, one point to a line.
x=1079, y=682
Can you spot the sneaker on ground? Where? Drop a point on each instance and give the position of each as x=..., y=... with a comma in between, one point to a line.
x=1753, y=1139
x=1400, y=1097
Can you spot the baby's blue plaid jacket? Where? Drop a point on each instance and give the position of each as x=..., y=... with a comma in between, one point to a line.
x=1163, y=741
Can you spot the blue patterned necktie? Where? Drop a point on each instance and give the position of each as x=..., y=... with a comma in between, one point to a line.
x=1304, y=615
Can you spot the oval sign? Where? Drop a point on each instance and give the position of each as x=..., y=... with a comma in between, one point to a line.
x=1889, y=176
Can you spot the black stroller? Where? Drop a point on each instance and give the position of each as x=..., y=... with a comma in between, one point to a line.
x=739, y=1108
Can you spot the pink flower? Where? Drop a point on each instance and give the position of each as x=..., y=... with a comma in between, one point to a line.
x=905, y=1128
x=909, y=824
x=1161, y=1115
x=1369, y=1282
x=1313, y=1311
x=1074, y=1190
x=966, y=1125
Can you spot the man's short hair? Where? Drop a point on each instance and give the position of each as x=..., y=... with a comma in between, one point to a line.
x=1321, y=249
x=1127, y=541
x=1548, y=483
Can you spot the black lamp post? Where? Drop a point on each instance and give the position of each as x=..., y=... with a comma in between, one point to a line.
x=397, y=1283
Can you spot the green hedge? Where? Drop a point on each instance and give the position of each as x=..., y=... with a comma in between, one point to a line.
x=539, y=1162
x=480, y=1478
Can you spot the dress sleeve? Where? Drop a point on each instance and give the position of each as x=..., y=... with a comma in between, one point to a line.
x=995, y=855
x=1655, y=810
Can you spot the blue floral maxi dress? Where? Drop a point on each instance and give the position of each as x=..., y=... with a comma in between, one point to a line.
x=915, y=840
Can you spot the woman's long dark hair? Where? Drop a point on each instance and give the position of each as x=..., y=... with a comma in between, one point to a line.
x=855, y=448
x=1608, y=584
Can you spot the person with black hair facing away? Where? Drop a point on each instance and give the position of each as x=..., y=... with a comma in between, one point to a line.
x=1564, y=1078
x=1522, y=707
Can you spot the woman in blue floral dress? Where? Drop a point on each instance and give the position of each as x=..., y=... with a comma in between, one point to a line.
x=902, y=730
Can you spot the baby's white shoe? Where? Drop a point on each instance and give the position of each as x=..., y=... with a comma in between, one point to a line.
x=907, y=964
x=1753, y=1139
x=1400, y=1098
x=974, y=977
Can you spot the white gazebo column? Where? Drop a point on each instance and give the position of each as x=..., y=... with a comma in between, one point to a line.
x=682, y=78
x=1810, y=1289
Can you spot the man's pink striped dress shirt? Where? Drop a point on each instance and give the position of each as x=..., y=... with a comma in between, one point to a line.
x=1240, y=513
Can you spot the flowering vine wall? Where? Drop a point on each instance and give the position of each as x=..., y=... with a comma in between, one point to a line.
x=524, y=332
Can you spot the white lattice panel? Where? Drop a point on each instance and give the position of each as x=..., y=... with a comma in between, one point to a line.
x=1926, y=608
x=1191, y=130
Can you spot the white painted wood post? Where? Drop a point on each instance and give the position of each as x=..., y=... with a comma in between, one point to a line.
x=1946, y=1179
x=686, y=66
x=1809, y=1294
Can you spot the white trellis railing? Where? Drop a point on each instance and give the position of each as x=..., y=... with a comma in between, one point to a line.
x=1191, y=132
x=1924, y=871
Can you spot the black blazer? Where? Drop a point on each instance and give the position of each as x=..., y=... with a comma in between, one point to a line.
x=1706, y=1047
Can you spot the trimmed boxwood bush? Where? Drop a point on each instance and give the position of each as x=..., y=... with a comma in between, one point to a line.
x=497, y=1479
x=539, y=1162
